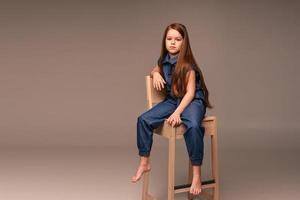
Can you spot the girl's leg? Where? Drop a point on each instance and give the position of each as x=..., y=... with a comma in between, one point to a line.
x=146, y=122
x=192, y=117
x=196, y=182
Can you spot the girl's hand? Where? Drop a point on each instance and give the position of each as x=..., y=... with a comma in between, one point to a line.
x=158, y=81
x=174, y=119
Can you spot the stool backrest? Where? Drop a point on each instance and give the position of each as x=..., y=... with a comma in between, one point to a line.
x=153, y=96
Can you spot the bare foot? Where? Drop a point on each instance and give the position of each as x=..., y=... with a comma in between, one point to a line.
x=140, y=171
x=196, y=186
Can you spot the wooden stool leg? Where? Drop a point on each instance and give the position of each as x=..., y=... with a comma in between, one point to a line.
x=190, y=178
x=145, y=192
x=215, y=164
x=145, y=185
x=171, y=166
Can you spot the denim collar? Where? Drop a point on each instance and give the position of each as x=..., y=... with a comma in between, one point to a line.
x=170, y=60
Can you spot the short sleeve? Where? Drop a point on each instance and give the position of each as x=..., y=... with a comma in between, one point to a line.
x=197, y=72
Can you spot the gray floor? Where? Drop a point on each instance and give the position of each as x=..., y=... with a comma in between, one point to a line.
x=90, y=173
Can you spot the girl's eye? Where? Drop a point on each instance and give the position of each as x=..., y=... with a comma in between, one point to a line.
x=177, y=39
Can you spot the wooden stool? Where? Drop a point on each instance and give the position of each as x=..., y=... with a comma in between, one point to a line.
x=173, y=133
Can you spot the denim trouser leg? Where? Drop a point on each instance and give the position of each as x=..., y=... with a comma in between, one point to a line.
x=150, y=120
x=192, y=117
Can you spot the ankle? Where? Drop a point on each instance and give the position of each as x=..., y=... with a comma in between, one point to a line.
x=196, y=176
x=144, y=161
x=144, y=164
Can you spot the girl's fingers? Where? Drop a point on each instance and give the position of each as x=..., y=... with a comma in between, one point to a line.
x=163, y=81
x=178, y=121
x=158, y=85
x=170, y=121
x=162, y=84
x=174, y=121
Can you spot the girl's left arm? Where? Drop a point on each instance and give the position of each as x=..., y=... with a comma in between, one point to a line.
x=190, y=92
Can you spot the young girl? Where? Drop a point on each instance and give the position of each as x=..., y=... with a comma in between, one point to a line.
x=185, y=102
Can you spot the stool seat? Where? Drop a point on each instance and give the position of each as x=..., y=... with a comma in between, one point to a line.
x=165, y=129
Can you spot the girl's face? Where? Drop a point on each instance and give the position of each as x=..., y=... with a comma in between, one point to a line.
x=173, y=41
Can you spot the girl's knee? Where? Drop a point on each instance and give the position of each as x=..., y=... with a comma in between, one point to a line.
x=141, y=118
x=195, y=128
x=193, y=124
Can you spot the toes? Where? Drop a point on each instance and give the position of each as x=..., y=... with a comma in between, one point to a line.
x=133, y=179
x=137, y=178
x=192, y=190
x=195, y=191
x=198, y=191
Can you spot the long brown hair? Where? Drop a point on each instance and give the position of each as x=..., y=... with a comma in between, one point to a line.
x=185, y=62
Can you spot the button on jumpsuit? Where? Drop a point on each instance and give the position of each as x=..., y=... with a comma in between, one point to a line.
x=191, y=117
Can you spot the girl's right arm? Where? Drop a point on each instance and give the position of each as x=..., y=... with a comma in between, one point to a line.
x=158, y=81
x=155, y=69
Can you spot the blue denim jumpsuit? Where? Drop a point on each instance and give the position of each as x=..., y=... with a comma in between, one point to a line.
x=191, y=117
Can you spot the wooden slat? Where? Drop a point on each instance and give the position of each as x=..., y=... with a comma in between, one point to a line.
x=186, y=187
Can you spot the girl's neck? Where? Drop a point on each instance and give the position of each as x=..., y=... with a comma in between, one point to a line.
x=172, y=56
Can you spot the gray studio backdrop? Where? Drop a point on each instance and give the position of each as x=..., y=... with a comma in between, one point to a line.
x=72, y=72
